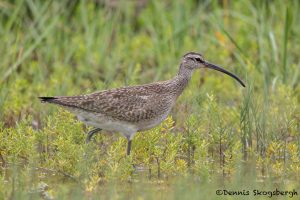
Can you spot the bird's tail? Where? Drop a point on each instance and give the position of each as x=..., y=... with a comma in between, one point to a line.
x=62, y=101
x=48, y=99
x=54, y=100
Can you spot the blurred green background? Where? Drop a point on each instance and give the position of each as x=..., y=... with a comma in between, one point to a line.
x=220, y=135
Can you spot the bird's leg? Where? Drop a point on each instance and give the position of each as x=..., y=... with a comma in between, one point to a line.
x=91, y=133
x=128, y=146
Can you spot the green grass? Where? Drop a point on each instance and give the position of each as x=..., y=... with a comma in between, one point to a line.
x=220, y=135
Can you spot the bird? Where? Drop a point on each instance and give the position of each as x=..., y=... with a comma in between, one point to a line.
x=132, y=109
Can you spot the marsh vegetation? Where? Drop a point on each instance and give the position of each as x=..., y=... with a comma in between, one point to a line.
x=219, y=135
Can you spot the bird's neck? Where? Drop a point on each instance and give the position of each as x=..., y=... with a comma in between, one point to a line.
x=185, y=72
x=181, y=80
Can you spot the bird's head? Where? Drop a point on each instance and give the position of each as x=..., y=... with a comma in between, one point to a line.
x=192, y=60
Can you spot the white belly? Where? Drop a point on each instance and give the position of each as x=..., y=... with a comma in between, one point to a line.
x=127, y=129
x=100, y=121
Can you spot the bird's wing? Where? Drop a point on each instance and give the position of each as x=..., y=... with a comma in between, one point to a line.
x=129, y=104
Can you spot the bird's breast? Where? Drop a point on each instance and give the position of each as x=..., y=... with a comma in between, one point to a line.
x=150, y=123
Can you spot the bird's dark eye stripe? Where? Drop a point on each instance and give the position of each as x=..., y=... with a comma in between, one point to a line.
x=199, y=60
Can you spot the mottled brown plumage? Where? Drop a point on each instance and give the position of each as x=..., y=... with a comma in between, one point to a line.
x=134, y=108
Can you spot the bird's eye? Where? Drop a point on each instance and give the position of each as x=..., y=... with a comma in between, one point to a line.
x=199, y=60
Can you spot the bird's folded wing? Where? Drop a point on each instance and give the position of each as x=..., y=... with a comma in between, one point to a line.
x=121, y=104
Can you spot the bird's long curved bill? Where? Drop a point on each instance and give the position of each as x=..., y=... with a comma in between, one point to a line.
x=220, y=69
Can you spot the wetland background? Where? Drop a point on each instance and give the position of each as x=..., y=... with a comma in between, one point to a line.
x=219, y=135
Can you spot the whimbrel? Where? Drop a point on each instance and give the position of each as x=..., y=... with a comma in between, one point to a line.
x=131, y=109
